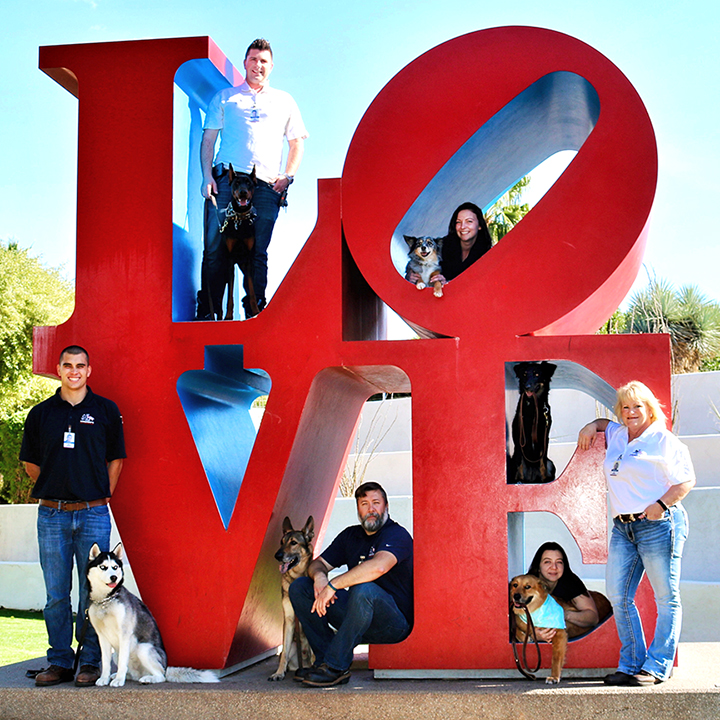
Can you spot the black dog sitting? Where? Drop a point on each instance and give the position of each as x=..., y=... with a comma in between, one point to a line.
x=238, y=232
x=531, y=425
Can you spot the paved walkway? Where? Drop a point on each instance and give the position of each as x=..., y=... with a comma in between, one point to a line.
x=693, y=692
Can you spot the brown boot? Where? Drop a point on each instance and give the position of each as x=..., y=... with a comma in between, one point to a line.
x=54, y=675
x=87, y=676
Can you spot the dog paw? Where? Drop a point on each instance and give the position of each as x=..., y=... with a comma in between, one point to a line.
x=438, y=292
x=421, y=286
x=102, y=681
x=277, y=676
x=552, y=680
x=117, y=681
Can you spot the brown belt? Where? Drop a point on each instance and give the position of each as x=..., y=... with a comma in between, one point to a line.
x=72, y=506
x=632, y=517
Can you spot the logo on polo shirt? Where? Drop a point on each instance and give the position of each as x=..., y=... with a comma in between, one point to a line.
x=87, y=419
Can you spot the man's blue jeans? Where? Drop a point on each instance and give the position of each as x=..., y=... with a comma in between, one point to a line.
x=654, y=547
x=362, y=614
x=63, y=536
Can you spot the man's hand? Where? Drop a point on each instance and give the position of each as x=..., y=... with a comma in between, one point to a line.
x=323, y=599
x=280, y=184
x=209, y=187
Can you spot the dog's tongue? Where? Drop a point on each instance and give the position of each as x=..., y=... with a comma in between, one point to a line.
x=112, y=585
x=284, y=567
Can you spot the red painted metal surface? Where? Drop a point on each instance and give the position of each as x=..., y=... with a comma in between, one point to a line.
x=217, y=597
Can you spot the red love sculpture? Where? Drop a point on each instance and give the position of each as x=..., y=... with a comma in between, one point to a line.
x=536, y=296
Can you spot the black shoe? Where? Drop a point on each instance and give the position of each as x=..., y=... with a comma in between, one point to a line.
x=644, y=679
x=618, y=678
x=54, y=675
x=325, y=676
x=302, y=673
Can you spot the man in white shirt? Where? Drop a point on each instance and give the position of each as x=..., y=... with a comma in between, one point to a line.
x=252, y=121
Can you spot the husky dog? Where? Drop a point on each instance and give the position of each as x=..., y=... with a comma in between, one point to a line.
x=124, y=624
x=425, y=256
x=294, y=556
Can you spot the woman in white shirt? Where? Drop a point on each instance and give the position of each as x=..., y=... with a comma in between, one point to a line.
x=648, y=472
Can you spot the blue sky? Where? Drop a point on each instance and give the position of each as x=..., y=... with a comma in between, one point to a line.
x=334, y=58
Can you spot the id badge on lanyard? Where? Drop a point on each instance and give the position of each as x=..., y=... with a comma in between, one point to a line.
x=69, y=438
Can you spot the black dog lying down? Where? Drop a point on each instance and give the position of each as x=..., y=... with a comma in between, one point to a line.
x=238, y=232
x=531, y=425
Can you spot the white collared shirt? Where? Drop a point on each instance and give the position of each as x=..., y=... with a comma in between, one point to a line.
x=252, y=126
x=640, y=471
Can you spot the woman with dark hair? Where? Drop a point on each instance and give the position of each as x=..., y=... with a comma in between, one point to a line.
x=468, y=239
x=551, y=565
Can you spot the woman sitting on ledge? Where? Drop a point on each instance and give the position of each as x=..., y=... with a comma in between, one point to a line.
x=587, y=609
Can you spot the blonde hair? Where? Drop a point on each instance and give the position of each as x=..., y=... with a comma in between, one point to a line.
x=635, y=390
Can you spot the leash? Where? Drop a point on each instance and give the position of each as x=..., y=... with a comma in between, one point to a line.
x=534, y=434
x=81, y=642
x=529, y=629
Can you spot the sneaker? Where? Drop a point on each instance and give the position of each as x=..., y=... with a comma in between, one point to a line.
x=644, y=679
x=618, y=678
x=54, y=675
x=325, y=676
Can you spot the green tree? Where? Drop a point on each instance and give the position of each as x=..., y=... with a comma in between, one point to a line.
x=690, y=318
x=507, y=211
x=30, y=295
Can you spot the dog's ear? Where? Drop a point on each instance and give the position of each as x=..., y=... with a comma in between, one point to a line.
x=118, y=551
x=439, y=243
x=287, y=525
x=549, y=369
x=309, y=529
x=231, y=173
x=520, y=370
x=253, y=176
x=94, y=551
x=410, y=240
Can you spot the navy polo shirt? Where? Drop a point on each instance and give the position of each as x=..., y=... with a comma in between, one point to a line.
x=80, y=472
x=353, y=546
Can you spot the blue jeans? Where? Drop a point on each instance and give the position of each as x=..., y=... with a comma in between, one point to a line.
x=361, y=614
x=63, y=536
x=653, y=547
x=266, y=203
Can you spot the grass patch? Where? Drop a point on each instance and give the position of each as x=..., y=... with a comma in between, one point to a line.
x=23, y=636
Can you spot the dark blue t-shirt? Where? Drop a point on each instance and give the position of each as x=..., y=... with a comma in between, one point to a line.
x=353, y=546
x=79, y=472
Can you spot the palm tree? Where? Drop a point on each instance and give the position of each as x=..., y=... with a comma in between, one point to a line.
x=691, y=319
x=507, y=211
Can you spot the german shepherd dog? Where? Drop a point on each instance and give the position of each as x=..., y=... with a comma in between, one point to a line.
x=124, y=624
x=531, y=425
x=425, y=256
x=238, y=232
x=295, y=555
x=531, y=593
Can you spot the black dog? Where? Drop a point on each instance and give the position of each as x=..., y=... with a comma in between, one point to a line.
x=238, y=232
x=531, y=425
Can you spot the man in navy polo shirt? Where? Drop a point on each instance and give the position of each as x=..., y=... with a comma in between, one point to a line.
x=73, y=448
x=370, y=603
